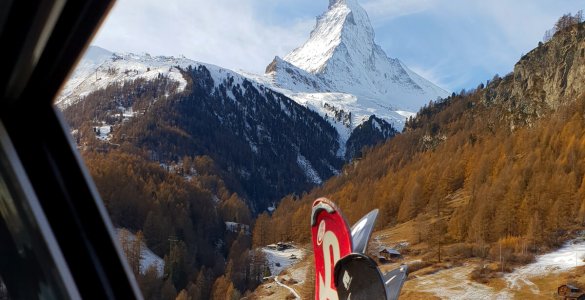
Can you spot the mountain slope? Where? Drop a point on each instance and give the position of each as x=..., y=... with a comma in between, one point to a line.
x=340, y=73
x=100, y=68
x=504, y=161
x=265, y=144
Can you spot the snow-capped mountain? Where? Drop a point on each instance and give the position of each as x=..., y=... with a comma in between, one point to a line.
x=266, y=144
x=298, y=123
x=100, y=68
x=340, y=73
x=341, y=65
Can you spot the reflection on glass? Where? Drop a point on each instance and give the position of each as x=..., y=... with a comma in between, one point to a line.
x=28, y=267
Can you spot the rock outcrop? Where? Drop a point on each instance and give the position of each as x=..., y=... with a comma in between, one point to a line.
x=543, y=79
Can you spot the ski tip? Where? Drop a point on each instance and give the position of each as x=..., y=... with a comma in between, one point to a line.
x=327, y=205
x=361, y=231
x=319, y=205
x=325, y=201
x=394, y=280
x=371, y=216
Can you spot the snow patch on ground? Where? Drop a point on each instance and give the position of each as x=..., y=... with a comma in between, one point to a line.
x=280, y=260
x=237, y=227
x=127, y=113
x=103, y=132
x=299, y=274
x=310, y=172
x=454, y=283
x=569, y=256
x=147, y=257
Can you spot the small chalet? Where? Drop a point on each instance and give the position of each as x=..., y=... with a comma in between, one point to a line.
x=570, y=292
x=388, y=254
x=280, y=246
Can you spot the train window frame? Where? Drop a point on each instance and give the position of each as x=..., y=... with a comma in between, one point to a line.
x=26, y=236
x=67, y=218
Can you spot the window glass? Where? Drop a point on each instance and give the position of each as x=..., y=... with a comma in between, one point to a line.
x=34, y=270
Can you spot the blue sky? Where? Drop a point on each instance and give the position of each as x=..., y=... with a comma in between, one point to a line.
x=454, y=43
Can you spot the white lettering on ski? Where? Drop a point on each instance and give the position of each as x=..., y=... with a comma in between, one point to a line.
x=330, y=244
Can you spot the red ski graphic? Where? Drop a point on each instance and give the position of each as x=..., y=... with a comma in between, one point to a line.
x=331, y=241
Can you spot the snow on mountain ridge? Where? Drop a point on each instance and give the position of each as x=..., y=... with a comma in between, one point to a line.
x=96, y=54
x=286, y=75
x=254, y=97
x=99, y=68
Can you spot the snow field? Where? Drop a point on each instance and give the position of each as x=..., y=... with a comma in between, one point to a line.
x=282, y=258
x=454, y=283
x=147, y=257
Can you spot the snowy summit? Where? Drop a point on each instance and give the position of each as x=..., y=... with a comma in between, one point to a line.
x=341, y=56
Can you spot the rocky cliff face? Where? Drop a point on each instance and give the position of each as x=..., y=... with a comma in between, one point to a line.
x=543, y=79
x=554, y=70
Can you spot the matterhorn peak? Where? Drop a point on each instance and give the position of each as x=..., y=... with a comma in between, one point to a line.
x=344, y=75
x=341, y=56
x=342, y=30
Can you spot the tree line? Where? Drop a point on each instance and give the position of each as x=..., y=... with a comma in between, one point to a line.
x=179, y=220
x=565, y=21
x=482, y=168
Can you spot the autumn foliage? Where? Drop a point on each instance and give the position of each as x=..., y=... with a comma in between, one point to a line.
x=494, y=171
x=181, y=219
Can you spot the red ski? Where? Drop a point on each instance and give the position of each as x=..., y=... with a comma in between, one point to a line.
x=332, y=241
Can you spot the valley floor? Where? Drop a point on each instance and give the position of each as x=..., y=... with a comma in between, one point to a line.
x=287, y=280
x=538, y=280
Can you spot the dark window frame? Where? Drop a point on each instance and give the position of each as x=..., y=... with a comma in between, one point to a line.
x=46, y=38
